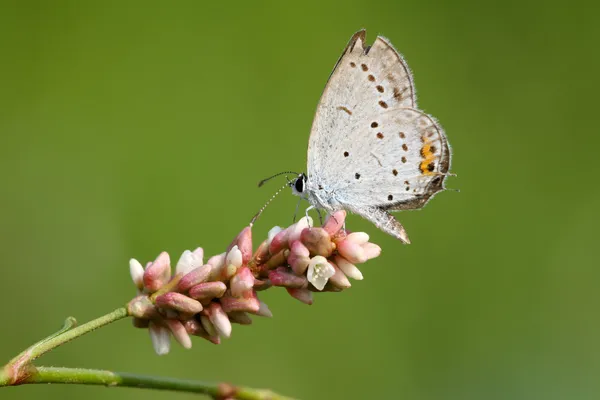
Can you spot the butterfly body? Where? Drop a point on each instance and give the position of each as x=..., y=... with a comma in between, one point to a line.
x=371, y=150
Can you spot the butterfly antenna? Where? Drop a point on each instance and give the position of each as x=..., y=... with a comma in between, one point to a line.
x=266, y=204
x=276, y=175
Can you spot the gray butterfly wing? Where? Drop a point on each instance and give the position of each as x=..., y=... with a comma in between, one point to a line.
x=370, y=150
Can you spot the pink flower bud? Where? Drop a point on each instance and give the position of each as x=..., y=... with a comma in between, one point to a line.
x=371, y=250
x=239, y=317
x=219, y=319
x=194, y=277
x=338, y=279
x=157, y=274
x=284, y=277
x=161, y=340
x=207, y=290
x=351, y=251
x=244, y=243
x=234, y=257
x=248, y=303
x=208, y=325
x=137, y=273
x=179, y=333
x=242, y=282
x=189, y=260
x=303, y=295
x=299, y=257
x=317, y=241
x=217, y=261
x=279, y=242
x=296, y=229
x=179, y=302
x=194, y=327
x=272, y=232
x=359, y=238
x=348, y=268
x=335, y=222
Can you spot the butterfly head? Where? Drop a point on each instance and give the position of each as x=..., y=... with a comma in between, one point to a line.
x=298, y=185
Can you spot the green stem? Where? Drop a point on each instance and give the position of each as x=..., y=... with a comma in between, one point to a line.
x=20, y=367
x=108, y=378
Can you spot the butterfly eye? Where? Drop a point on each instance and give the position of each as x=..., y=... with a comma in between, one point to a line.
x=299, y=184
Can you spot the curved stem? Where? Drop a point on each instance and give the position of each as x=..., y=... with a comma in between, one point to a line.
x=20, y=367
x=108, y=378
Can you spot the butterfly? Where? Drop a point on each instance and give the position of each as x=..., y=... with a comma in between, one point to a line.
x=371, y=150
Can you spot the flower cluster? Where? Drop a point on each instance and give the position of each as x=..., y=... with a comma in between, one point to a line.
x=204, y=299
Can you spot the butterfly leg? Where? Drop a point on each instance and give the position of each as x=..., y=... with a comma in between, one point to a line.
x=320, y=216
x=296, y=211
x=306, y=213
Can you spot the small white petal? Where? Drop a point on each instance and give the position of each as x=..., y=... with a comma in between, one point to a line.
x=187, y=262
x=221, y=322
x=161, y=339
x=358, y=237
x=208, y=326
x=348, y=268
x=137, y=273
x=234, y=257
x=274, y=231
x=319, y=272
x=298, y=227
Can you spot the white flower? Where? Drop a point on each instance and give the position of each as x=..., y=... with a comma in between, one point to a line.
x=319, y=272
x=161, y=339
x=189, y=261
x=137, y=273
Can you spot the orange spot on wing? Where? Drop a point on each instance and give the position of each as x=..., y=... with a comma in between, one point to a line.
x=428, y=157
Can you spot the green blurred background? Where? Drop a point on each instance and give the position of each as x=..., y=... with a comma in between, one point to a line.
x=127, y=128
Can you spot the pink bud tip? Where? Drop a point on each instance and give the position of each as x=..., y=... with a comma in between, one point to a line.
x=335, y=222
x=160, y=337
x=279, y=242
x=241, y=282
x=207, y=290
x=219, y=320
x=194, y=277
x=188, y=261
x=296, y=229
x=179, y=333
x=371, y=250
x=303, y=295
x=299, y=258
x=157, y=274
x=137, y=273
x=234, y=257
x=244, y=244
x=249, y=303
x=179, y=302
x=338, y=279
x=352, y=251
x=348, y=268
